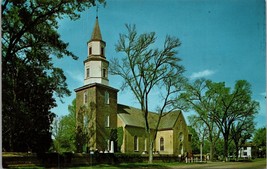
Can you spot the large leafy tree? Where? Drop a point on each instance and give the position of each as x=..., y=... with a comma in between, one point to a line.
x=64, y=131
x=145, y=68
x=235, y=105
x=198, y=97
x=220, y=108
x=30, y=80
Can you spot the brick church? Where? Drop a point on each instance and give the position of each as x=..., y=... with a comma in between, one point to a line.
x=112, y=127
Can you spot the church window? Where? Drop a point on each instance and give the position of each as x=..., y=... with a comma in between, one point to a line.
x=102, y=51
x=181, y=149
x=135, y=143
x=106, y=97
x=90, y=50
x=189, y=137
x=108, y=144
x=85, y=121
x=161, y=143
x=104, y=73
x=107, y=121
x=85, y=98
x=87, y=73
x=181, y=137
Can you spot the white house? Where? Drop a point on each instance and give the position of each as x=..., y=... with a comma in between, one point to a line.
x=245, y=152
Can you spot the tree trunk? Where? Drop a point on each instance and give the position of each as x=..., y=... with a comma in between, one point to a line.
x=225, y=149
x=201, y=151
x=211, y=150
x=236, y=151
x=150, y=151
x=10, y=143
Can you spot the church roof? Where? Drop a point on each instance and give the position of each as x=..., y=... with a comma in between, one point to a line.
x=96, y=34
x=134, y=117
x=93, y=85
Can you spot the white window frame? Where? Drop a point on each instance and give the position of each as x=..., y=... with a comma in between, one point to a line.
x=136, y=143
x=107, y=121
x=106, y=97
x=160, y=144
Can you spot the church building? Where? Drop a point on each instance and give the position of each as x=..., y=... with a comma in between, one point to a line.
x=104, y=125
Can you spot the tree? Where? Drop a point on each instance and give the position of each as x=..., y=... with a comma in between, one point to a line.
x=30, y=80
x=145, y=69
x=85, y=128
x=233, y=106
x=219, y=107
x=260, y=137
x=242, y=130
x=198, y=98
x=202, y=131
x=65, y=131
x=259, y=140
x=194, y=141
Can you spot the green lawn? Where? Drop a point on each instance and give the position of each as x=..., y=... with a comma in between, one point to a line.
x=257, y=163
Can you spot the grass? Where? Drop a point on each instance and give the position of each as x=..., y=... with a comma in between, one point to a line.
x=144, y=165
x=256, y=163
x=123, y=165
x=25, y=166
x=108, y=166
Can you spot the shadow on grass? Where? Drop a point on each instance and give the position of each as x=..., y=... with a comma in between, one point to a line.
x=141, y=165
x=124, y=166
x=131, y=165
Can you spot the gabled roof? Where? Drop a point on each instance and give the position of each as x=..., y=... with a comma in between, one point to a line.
x=134, y=117
x=96, y=34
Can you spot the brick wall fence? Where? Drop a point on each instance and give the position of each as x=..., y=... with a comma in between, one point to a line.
x=78, y=159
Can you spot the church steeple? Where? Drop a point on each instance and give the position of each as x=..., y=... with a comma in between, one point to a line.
x=96, y=34
x=96, y=65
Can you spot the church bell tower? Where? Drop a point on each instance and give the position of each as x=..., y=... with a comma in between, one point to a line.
x=96, y=101
x=96, y=65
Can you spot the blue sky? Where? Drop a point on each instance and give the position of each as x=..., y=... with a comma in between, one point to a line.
x=222, y=40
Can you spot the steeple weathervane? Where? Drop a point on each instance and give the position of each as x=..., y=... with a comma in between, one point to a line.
x=96, y=11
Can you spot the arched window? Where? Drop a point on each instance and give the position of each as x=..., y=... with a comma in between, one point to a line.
x=85, y=97
x=135, y=143
x=90, y=50
x=106, y=97
x=181, y=137
x=104, y=73
x=102, y=51
x=161, y=143
x=87, y=73
x=107, y=121
x=145, y=149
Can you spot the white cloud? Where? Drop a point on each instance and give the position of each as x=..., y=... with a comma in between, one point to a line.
x=201, y=74
x=76, y=75
x=263, y=94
